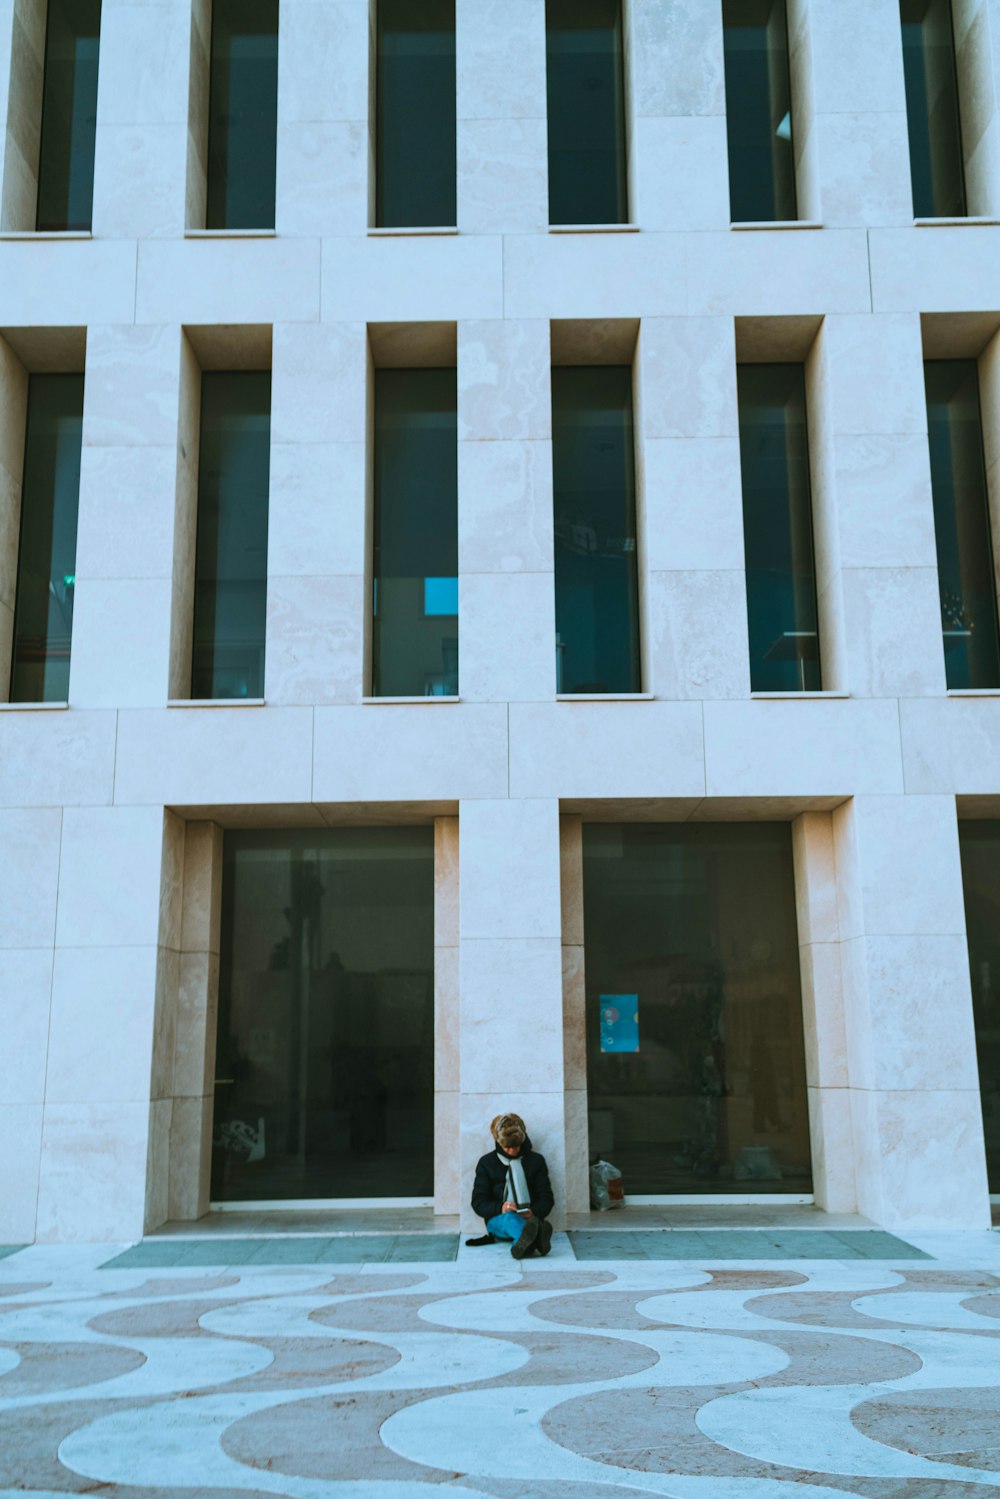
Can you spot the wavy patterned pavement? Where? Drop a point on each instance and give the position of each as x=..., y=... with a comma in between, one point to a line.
x=482, y=1377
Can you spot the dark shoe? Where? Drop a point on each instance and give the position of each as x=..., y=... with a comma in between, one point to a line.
x=483, y=1239
x=526, y=1242
x=544, y=1243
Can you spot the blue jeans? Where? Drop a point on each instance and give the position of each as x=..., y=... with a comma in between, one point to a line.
x=506, y=1226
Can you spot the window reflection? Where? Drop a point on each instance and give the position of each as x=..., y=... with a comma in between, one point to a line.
x=966, y=567
x=586, y=112
x=415, y=636
x=243, y=114
x=325, y=1060
x=596, y=564
x=932, y=111
x=777, y=529
x=415, y=113
x=980, y=844
x=69, y=115
x=231, y=564
x=46, y=569
x=759, y=111
x=693, y=929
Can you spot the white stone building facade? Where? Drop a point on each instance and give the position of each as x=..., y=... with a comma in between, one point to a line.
x=114, y=806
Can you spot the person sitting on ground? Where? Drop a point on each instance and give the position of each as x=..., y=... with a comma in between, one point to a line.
x=512, y=1192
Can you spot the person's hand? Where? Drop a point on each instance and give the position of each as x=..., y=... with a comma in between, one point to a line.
x=509, y=1207
x=527, y=1213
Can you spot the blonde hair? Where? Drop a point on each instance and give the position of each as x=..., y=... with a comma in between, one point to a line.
x=508, y=1129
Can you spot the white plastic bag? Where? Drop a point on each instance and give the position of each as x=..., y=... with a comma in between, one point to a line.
x=607, y=1190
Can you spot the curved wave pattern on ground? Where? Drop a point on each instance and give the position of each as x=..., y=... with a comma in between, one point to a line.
x=537, y=1381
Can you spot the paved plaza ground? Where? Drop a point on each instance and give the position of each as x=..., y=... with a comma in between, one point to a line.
x=394, y=1366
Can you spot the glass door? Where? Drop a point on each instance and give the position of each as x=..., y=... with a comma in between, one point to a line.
x=695, y=1057
x=325, y=1063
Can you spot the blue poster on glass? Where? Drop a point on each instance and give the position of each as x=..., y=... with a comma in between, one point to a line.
x=619, y=1022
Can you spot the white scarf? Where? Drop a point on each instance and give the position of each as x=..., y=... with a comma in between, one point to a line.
x=516, y=1183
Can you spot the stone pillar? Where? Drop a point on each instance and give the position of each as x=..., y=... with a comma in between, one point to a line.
x=125, y=540
x=510, y=965
x=505, y=547
x=574, y=1015
x=140, y=162
x=849, y=111
x=691, y=510
x=316, y=532
x=449, y=1188
x=106, y=1128
x=193, y=1078
x=501, y=132
x=911, y=1047
x=876, y=560
x=322, y=156
x=827, y=1078
x=29, y=881
x=679, y=177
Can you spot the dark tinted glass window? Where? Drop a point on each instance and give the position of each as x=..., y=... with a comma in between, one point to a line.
x=243, y=114
x=966, y=569
x=46, y=569
x=596, y=565
x=759, y=111
x=69, y=115
x=231, y=566
x=777, y=529
x=932, y=109
x=980, y=843
x=695, y=1057
x=325, y=1062
x=415, y=104
x=586, y=109
x=415, y=637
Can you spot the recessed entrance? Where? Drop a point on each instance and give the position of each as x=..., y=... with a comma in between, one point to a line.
x=695, y=1059
x=324, y=1082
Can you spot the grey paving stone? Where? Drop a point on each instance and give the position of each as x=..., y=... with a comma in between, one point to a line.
x=436, y=1249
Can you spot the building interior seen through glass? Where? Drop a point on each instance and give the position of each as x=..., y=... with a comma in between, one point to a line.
x=69, y=115
x=695, y=1056
x=243, y=114
x=759, y=111
x=586, y=112
x=777, y=529
x=932, y=109
x=415, y=534
x=46, y=565
x=230, y=589
x=980, y=844
x=415, y=114
x=966, y=562
x=325, y=1058
x=596, y=562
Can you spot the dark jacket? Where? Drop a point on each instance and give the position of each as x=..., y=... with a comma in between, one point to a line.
x=487, y=1191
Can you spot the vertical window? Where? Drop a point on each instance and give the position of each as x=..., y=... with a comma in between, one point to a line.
x=777, y=529
x=46, y=566
x=231, y=555
x=596, y=564
x=586, y=110
x=415, y=114
x=415, y=561
x=759, y=111
x=69, y=115
x=696, y=1073
x=932, y=111
x=325, y=1056
x=980, y=846
x=243, y=114
x=962, y=524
